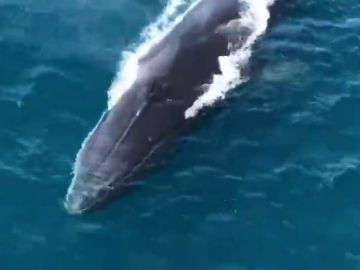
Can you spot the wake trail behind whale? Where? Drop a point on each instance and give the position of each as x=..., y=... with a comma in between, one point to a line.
x=254, y=18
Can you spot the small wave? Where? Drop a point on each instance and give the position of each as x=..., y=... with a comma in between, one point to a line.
x=284, y=71
x=16, y=93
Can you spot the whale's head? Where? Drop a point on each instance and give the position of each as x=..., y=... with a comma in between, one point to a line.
x=89, y=191
x=100, y=170
x=108, y=158
x=86, y=193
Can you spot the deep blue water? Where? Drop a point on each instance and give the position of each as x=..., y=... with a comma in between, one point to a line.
x=270, y=180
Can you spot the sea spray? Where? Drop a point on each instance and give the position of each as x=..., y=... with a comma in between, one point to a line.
x=255, y=18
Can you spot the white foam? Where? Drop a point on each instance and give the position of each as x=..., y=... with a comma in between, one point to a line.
x=255, y=18
x=152, y=34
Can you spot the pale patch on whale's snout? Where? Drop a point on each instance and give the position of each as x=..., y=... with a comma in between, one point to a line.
x=86, y=192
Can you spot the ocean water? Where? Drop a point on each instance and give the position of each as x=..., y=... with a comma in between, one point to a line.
x=268, y=181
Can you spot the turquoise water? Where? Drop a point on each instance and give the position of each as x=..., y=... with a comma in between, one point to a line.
x=270, y=180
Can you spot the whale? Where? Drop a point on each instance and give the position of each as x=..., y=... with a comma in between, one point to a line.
x=176, y=77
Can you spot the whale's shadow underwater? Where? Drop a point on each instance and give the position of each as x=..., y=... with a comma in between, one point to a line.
x=177, y=79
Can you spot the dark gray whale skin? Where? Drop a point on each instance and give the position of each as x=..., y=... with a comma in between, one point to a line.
x=152, y=112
